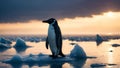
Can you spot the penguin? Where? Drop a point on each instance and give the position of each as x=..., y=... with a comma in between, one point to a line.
x=54, y=38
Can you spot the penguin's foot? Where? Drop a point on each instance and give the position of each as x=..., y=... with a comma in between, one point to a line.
x=62, y=55
x=50, y=55
x=53, y=56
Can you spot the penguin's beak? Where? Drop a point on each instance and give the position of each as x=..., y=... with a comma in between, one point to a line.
x=45, y=21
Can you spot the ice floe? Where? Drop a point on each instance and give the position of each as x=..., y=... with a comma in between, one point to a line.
x=76, y=53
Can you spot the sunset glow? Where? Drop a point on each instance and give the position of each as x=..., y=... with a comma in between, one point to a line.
x=110, y=14
x=107, y=22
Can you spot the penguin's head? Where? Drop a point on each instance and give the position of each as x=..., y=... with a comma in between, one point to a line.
x=50, y=21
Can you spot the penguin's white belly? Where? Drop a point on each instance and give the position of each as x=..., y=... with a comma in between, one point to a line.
x=52, y=40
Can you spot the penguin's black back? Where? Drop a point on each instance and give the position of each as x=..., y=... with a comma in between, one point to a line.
x=58, y=35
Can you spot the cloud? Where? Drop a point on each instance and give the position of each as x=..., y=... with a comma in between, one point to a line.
x=25, y=10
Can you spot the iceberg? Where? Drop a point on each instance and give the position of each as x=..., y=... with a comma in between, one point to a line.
x=20, y=43
x=78, y=52
x=99, y=39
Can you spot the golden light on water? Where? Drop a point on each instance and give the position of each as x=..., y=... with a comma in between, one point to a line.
x=110, y=55
x=110, y=14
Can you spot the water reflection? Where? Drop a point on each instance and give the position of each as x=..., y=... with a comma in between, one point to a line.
x=99, y=39
x=110, y=57
x=98, y=43
x=74, y=64
x=16, y=65
x=56, y=65
x=3, y=49
x=20, y=49
x=78, y=63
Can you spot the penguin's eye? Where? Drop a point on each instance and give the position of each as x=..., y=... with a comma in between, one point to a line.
x=54, y=20
x=51, y=21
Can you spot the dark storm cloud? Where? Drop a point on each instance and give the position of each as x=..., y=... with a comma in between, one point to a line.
x=25, y=10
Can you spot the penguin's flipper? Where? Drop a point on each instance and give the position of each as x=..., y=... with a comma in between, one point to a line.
x=47, y=42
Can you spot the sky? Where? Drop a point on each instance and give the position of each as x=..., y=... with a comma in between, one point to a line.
x=73, y=16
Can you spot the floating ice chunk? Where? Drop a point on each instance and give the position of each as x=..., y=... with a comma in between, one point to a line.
x=15, y=59
x=111, y=64
x=5, y=41
x=20, y=43
x=98, y=65
x=2, y=45
x=115, y=45
x=99, y=39
x=78, y=52
x=72, y=43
